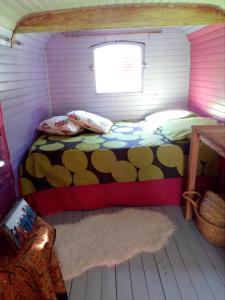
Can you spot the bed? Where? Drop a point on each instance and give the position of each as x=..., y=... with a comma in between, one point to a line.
x=131, y=165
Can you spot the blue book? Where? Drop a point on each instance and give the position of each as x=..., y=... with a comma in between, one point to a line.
x=18, y=222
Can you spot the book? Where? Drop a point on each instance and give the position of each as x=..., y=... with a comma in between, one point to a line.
x=18, y=222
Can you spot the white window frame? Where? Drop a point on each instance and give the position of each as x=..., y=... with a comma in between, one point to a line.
x=142, y=48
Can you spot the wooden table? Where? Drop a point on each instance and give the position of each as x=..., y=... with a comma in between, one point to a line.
x=214, y=137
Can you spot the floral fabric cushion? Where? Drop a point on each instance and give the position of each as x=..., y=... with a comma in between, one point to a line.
x=59, y=125
x=90, y=121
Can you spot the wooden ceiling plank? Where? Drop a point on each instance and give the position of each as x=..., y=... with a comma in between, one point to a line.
x=121, y=16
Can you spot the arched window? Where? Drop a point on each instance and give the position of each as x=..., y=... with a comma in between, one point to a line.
x=118, y=67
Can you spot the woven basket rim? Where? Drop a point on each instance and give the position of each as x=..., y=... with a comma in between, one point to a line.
x=216, y=195
x=201, y=217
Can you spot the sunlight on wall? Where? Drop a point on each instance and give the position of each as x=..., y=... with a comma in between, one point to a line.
x=2, y=163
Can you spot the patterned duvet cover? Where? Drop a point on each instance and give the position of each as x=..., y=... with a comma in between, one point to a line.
x=129, y=152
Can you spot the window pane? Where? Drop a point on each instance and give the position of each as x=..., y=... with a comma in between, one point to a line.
x=118, y=68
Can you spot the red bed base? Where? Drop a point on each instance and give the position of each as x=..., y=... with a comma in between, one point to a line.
x=147, y=193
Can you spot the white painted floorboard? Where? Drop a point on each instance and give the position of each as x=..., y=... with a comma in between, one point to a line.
x=187, y=268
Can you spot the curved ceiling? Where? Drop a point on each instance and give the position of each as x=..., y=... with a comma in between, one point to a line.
x=11, y=11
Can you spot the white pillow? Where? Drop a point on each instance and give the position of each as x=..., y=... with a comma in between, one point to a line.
x=59, y=125
x=157, y=119
x=90, y=121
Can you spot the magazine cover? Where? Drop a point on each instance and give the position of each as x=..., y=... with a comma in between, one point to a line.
x=19, y=222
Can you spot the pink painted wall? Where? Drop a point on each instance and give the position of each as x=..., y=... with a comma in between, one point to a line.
x=7, y=191
x=207, y=71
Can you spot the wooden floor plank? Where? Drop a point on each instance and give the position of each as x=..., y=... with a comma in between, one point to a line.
x=49, y=219
x=199, y=282
x=68, y=217
x=216, y=279
x=68, y=284
x=108, y=210
x=94, y=276
x=108, y=283
x=78, y=287
x=213, y=279
x=153, y=279
x=94, y=284
x=168, y=279
x=77, y=216
x=184, y=282
x=221, y=252
x=57, y=219
x=216, y=260
x=123, y=282
x=118, y=208
x=108, y=275
x=138, y=281
x=91, y=212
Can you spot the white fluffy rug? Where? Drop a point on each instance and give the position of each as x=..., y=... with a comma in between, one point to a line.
x=109, y=239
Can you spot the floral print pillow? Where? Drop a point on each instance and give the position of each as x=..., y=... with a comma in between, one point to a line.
x=59, y=125
x=90, y=121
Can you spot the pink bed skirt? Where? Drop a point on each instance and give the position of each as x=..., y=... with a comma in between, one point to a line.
x=147, y=193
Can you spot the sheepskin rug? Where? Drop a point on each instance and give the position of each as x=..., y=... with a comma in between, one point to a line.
x=109, y=238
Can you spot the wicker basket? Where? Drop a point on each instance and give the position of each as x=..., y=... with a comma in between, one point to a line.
x=212, y=233
x=212, y=208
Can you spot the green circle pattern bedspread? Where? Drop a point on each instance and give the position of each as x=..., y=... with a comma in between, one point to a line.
x=128, y=153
